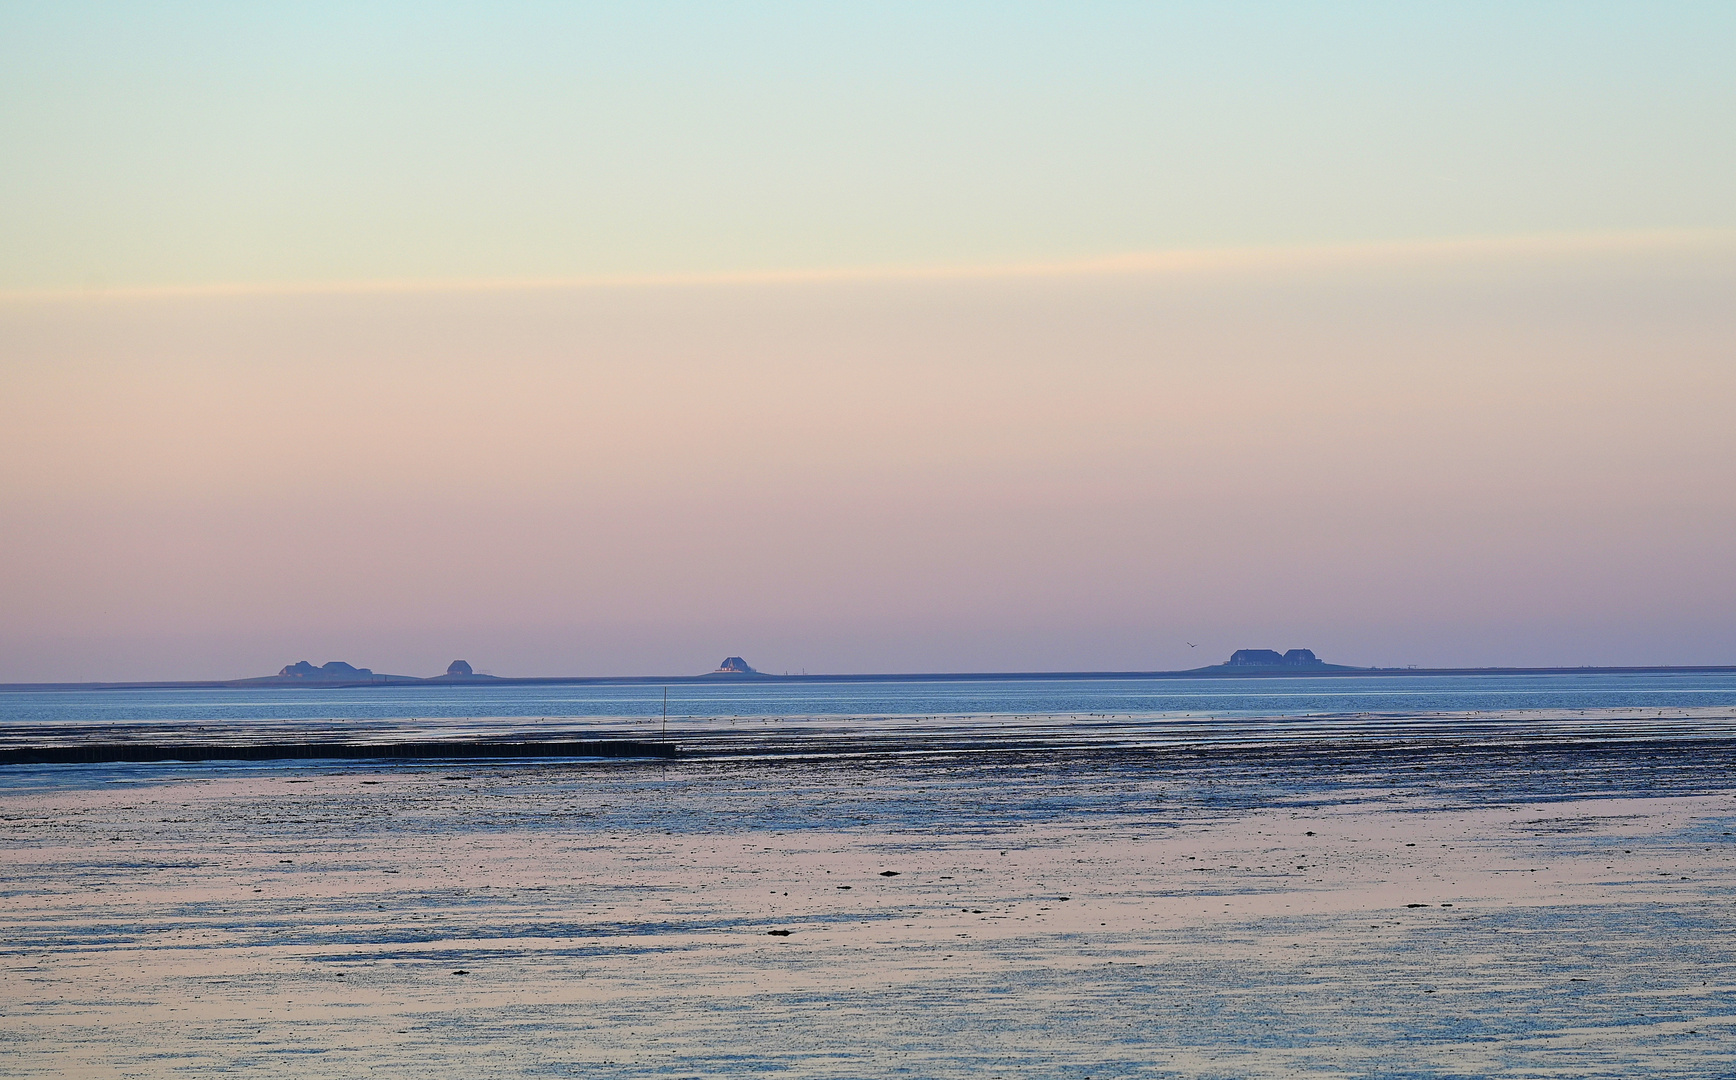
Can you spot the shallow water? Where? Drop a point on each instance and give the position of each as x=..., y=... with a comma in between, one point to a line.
x=1065, y=900
x=962, y=697
x=615, y=919
x=775, y=717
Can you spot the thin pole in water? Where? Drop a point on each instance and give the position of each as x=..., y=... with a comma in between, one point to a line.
x=665, y=714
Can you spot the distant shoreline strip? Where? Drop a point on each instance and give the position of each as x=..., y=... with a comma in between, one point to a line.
x=100, y=753
x=1216, y=671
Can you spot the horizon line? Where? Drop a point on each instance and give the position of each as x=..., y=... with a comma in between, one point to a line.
x=1174, y=260
x=384, y=680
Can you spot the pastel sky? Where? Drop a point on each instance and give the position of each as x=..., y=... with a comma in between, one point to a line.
x=578, y=339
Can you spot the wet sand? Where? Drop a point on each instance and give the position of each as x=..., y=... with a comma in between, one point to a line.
x=1458, y=912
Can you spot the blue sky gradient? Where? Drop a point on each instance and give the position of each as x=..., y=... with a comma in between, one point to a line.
x=197, y=144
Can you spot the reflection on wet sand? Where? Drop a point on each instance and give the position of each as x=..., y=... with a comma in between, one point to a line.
x=1456, y=912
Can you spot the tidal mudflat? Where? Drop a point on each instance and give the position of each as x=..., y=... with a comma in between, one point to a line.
x=1496, y=911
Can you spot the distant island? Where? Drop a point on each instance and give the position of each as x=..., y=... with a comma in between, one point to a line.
x=734, y=665
x=336, y=669
x=337, y=673
x=1242, y=663
x=1295, y=660
x=461, y=671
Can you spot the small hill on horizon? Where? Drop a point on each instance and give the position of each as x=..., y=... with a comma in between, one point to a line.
x=461, y=671
x=1271, y=660
x=734, y=665
x=332, y=673
x=333, y=669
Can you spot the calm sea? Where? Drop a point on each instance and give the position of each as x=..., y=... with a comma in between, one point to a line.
x=776, y=716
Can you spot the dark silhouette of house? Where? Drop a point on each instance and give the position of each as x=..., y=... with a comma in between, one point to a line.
x=334, y=670
x=1271, y=658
